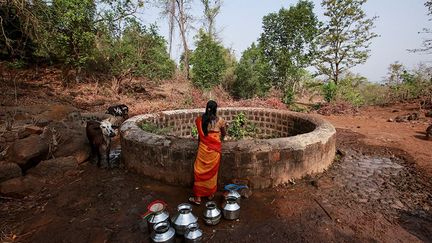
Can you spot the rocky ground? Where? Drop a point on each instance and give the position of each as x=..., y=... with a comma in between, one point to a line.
x=378, y=189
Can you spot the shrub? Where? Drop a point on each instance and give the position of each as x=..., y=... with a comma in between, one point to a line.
x=208, y=64
x=329, y=91
x=140, y=51
x=252, y=77
x=229, y=77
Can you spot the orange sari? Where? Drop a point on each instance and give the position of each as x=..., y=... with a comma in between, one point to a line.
x=207, y=162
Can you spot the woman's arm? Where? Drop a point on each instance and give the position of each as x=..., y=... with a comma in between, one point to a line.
x=223, y=133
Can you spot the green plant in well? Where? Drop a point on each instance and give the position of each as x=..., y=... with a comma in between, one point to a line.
x=240, y=127
x=194, y=132
x=152, y=127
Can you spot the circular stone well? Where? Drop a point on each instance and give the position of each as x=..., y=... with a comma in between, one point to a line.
x=305, y=144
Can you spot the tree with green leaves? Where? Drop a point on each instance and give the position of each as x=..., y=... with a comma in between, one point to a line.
x=229, y=76
x=252, y=74
x=288, y=42
x=208, y=64
x=138, y=52
x=345, y=38
x=72, y=36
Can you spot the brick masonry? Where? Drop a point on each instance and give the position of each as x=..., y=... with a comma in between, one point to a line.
x=304, y=144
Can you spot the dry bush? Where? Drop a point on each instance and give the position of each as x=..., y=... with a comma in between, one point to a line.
x=337, y=108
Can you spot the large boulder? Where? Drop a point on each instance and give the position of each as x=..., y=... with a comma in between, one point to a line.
x=9, y=171
x=54, y=167
x=55, y=113
x=21, y=186
x=28, y=152
x=29, y=130
x=70, y=140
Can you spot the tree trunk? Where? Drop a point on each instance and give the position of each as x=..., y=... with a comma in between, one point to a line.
x=171, y=24
x=336, y=74
x=182, y=27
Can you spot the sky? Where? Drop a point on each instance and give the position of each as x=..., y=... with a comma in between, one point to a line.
x=240, y=23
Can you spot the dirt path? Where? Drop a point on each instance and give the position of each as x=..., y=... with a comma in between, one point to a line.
x=373, y=124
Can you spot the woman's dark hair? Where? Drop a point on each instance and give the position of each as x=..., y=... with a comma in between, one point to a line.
x=209, y=115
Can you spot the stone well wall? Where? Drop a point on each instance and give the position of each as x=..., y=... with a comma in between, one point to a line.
x=304, y=145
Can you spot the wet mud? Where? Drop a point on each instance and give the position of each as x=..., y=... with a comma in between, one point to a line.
x=369, y=194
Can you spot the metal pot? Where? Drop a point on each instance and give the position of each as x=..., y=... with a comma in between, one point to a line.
x=163, y=233
x=157, y=217
x=231, y=208
x=156, y=213
x=212, y=214
x=233, y=193
x=183, y=218
x=193, y=233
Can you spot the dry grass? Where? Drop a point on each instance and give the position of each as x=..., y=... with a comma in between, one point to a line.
x=45, y=86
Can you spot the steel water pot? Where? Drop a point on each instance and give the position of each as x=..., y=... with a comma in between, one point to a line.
x=233, y=193
x=183, y=218
x=163, y=233
x=212, y=214
x=231, y=208
x=193, y=233
x=156, y=213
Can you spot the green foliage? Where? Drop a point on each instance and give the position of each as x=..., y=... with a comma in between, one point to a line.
x=87, y=35
x=208, y=64
x=349, y=89
x=240, y=127
x=374, y=94
x=229, y=76
x=17, y=64
x=153, y=128
x=288, y=43
x=288, y=96
x=411, y=85
x=70, y=35
x=299, y=108
x=345, y=37
x=194, y=132
x=357, y=91
x=140, y=51
x=251, y=74
x=329, y=91
x=394, y=74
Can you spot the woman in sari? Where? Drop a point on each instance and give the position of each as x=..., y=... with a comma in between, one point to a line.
x=211, y=130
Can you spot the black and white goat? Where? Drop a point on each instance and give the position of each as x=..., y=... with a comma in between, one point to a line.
x=118, y=110
x=99, y=135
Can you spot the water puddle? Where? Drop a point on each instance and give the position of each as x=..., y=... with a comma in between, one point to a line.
x=114, y=155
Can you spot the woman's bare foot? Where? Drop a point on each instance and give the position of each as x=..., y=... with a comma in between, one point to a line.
x=195, y=200
x=211, y=197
